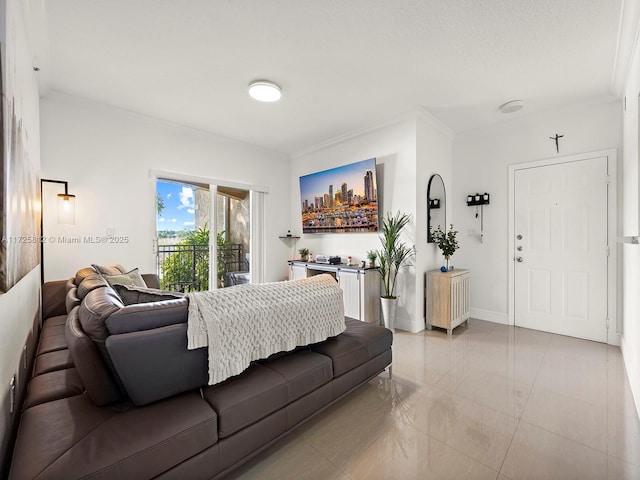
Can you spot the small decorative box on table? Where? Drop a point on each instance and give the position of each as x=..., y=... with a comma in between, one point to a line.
x=447, y=295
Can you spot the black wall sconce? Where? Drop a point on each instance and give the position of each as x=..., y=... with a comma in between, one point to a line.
x=478, y=199
x=434, y=203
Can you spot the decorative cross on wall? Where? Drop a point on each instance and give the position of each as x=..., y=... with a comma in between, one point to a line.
x=556, y=139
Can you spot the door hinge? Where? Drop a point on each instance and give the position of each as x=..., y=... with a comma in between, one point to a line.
x=608, y=179
x=606, y=322
x=608, y=251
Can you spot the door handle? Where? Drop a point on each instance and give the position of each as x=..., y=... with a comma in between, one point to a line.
x=519, y=259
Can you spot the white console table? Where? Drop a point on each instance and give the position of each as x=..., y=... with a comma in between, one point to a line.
x=360, y=286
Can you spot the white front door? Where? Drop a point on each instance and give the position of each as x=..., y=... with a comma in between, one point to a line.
x=561, y=248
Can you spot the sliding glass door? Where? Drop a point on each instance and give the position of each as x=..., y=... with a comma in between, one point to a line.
x=207, y=235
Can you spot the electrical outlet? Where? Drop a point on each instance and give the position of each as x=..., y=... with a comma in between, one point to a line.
x=13, y=386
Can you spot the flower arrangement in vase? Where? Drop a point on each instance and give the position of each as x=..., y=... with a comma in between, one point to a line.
x=447, y=242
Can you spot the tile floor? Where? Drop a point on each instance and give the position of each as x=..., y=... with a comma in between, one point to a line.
x=490, y=402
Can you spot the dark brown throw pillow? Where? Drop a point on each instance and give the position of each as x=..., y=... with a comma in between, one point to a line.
x=131, y=294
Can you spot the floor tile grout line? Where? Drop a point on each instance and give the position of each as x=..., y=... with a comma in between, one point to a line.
x=459, y=452
x=565, y=438
x=519, y=418
x=325, y=457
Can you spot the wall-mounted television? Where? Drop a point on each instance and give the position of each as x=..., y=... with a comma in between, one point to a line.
x=340, y=200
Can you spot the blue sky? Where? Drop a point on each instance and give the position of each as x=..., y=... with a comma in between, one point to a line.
x=317, y=184
x=179, y=212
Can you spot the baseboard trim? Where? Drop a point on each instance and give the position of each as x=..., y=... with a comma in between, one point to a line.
x=409, y=325
x=490, y=316
x=632, y=375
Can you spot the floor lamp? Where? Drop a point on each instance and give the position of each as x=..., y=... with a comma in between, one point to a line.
x=66, y=214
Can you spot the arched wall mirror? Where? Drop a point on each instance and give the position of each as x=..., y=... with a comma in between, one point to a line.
x=436, y=206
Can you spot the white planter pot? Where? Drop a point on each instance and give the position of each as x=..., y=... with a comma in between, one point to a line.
x=389, y=307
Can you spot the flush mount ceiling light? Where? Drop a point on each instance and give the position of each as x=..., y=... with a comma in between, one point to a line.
x=264, y=91
x=512, y=106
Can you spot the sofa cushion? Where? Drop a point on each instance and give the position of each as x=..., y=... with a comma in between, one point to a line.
x=83, y=273
x=51, y=361
x=51, y=329
x=345, y=353
x=377, y=338
x=131, y=294
x=53, y=386
x=246, y=398
x=359, y=343
x=129, y=278
x=303, y=371
x=52, y=321
x=90, y=283
x=73, y=438
x=51, y=343
x=145, y=316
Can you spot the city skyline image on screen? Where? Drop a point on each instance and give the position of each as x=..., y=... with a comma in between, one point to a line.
x=340, y=200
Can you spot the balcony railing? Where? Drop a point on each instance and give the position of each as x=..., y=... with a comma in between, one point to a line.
x=185, y=268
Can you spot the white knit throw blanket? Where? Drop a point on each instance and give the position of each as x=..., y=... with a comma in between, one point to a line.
x=249, y=322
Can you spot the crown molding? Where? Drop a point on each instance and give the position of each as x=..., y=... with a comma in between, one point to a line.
x=427, y=117
x=418, y=113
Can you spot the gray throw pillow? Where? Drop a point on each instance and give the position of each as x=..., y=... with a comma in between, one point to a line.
x=130, y=278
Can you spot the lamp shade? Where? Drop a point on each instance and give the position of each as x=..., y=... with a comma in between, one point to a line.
x=66, y=208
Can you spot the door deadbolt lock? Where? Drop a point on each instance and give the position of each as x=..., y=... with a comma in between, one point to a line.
x=519, y=259
x=519, y=248
x=519, y=237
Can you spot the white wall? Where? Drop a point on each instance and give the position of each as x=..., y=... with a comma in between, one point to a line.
x=20, y=306
x=434, y=155
x=407, y=152
x=630, y=342
x=480, y=164
x=106, y=154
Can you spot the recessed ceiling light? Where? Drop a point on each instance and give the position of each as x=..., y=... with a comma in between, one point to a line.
x=512, y=106
x=264, y=91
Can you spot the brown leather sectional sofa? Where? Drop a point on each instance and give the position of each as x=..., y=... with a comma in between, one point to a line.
x=115, y=393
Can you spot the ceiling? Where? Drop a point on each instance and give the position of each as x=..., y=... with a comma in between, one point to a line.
x=342, y=65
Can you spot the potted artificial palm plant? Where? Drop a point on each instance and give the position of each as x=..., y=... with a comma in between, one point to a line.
x=392, y=257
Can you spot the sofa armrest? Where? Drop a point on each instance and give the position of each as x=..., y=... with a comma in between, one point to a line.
x=53, y=298
x=155, y=364
x=147, y=316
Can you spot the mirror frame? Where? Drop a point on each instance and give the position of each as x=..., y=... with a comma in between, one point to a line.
x=443, y=206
